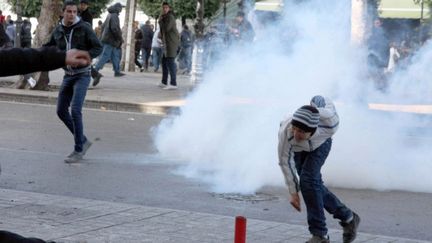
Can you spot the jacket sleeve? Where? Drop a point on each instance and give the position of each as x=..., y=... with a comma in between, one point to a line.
x=16, y=61
x=94, y=43
x=286, y=158
x=329, y=119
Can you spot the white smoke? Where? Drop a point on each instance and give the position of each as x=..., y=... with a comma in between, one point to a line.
x=227, y=132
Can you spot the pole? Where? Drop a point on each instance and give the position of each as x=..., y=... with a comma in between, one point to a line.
x=240, y=230
x=129, y=29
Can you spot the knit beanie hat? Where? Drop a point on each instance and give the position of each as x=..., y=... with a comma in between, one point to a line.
x=306, y=118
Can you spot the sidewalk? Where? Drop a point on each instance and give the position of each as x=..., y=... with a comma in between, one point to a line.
x=138, y=92
x=67, y=219
x=135, y=91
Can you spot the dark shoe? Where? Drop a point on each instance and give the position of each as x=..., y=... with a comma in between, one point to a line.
x=350, y=229
x=318, y=239
x=96, y=80
x=75, y=157
x=119, y=74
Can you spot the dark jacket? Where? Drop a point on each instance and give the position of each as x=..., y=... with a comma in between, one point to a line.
x=147, y=33
x=186, y=39
x=26, y=36
x=77, y=36
x=111, y=31
x=138, y=39
x=16, y=61
x=247, y=33
x=4, y=39
x=87, y=17
x=169, y=33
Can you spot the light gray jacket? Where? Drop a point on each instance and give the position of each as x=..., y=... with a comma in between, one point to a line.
x=328, y=125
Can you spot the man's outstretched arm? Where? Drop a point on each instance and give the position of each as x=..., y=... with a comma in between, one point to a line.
x=16, y=61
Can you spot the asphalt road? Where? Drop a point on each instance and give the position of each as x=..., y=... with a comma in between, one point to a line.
x=123, y=166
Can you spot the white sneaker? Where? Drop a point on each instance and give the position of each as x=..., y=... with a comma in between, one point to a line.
x=32, y=82
x=170, y=87
x=161, y=85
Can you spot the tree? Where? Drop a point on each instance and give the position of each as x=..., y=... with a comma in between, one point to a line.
x=182, y=8
x=32, y=8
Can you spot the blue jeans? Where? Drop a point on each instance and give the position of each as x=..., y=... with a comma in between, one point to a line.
x=145, y=55
x=156, y=57
x=169, y=65
x=112, y=53
x=316, y=196
x=185, y=58
x=72, y=94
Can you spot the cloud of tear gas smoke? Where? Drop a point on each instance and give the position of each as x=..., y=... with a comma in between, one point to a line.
x=226, y=134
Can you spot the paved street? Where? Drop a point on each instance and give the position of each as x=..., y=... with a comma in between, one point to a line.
x=123, y=167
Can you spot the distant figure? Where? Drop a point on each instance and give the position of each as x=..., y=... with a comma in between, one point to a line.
x=26, y=39
x=378, y=46
x=98, y=29
x=147, y=33
x=84, y=13
x=393, y=57
x=170, y=43
x=11, y=32
x=138, y=42
x=186, y=47
x=112, y=40
x=156, y=50
x=4, y=38
x=242, y=29
x=2, y=18
x=26, y=35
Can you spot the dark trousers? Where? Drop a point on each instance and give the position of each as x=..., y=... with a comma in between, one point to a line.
x=137, y=52
x=145, y=52
x=316, y=196
x=72, y=94
x=169, y=65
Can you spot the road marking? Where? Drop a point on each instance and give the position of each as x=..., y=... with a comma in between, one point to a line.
x=84, y=108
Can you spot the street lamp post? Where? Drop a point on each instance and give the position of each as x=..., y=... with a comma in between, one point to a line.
x=18, y=10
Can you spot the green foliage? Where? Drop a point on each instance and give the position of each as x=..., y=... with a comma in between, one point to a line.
x=152, y=8
x=32, y=8
x=182, y=8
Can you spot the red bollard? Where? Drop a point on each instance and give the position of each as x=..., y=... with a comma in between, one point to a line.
x=240, y=230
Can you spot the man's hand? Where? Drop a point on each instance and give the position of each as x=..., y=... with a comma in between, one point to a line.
x=295, y=201
x=77, y=58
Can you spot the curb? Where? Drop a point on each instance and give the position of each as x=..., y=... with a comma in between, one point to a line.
x=93, y=104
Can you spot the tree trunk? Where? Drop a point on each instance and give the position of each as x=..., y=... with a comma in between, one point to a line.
x=48, y=19
x=128, y=47
x=183, y=20
x=199, y=25
x=359, y=21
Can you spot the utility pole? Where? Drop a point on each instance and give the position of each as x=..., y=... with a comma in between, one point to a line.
x=129, y=64
x=18, y=10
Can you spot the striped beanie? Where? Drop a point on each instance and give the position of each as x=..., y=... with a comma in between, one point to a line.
x=306, y=118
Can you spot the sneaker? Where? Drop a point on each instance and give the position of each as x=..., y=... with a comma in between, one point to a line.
x=75, y=157
x=162, y=85
x=96, y=79
x=350, y=229
x=119, y=74
x=318, y=239
x=31, y=82
x=86, y=146
x=170, y=87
